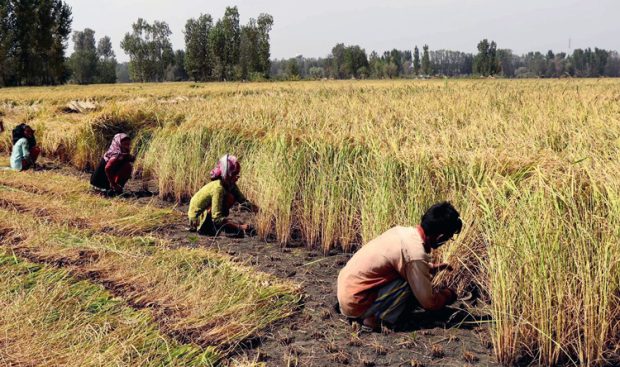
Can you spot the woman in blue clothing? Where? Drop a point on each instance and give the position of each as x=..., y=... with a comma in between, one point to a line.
x=25, y=152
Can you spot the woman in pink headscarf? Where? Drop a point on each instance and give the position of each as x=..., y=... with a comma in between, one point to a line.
x=210, y=206
x=114, y=169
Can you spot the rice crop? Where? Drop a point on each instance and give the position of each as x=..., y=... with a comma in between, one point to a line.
x=531, y=164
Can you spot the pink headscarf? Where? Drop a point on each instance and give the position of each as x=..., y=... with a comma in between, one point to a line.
x=227, y=167
x=115, y=151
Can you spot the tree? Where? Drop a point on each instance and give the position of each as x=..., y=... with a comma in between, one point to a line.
x=316, y=72
x=338, y=60
x=292, y=69
x=264, y=23
x=122, y=73
x=198, y=57
x=175, y=72
x=225, y=41
x=149, y=49
x=33, y=36
x=426, y=61
x=416, y=61
x=506, y=60
x=106, y=63
x=487, y=61
x=7, y=21
x=450, y=63
x=396, y=58
x=349, y=62
x=248, y=51
x=83, y=61
x=612, y=68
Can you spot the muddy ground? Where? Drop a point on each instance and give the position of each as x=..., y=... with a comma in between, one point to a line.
x=317, y=335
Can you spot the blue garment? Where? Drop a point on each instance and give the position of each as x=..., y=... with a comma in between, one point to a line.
x=21, y=151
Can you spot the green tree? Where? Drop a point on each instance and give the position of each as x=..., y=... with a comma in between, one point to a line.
x=416, y=61
x=225, y=45
x=292, y=69
x=198, y=57
x=175, y=72
x=149, y=49
x=349, y=62
x=396, y=58
x=7, y=20
x=106, y=61
x=426, y=61
x=83, y=61
x=122, y=72
x=506, y=60
x=33, y=36
x=249, y=62
x=217, y=45
x=264, y=23
x=316, y=72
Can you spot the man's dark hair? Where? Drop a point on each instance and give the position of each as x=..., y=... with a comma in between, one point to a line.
x=441, y=218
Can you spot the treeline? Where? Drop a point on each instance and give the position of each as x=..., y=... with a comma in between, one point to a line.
x=346, y=62
x=220, y=50
x=33, y=36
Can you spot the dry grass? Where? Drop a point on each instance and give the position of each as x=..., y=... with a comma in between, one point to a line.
x=532, y=166
x=48, y=318
x=66, y=199
x=195, y=296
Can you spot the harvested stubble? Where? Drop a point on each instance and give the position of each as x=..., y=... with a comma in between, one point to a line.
x=66, y=199
x=49, y=318
x=196, y=295
x=532, y=165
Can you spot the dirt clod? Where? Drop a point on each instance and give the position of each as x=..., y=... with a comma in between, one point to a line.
x=470, y=357
x=437, y=351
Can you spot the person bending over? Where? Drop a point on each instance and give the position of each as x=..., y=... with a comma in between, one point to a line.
x=25, y=151
x=391, y=272
x=114, y=169
x=210, y=206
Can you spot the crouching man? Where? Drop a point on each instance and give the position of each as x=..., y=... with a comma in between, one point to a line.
x=393, y=271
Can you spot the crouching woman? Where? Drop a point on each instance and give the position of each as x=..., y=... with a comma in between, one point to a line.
x=210, y=206
x=114, y=169
x=25, y=151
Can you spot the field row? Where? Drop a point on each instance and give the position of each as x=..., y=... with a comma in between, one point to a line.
x=198, y=299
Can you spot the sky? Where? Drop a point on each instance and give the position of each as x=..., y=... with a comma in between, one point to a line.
x=312, y=28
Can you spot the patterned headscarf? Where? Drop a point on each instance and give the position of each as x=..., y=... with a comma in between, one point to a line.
x=115, y=151
x=227, y=167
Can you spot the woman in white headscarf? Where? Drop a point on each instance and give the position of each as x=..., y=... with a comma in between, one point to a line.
x=210, y=206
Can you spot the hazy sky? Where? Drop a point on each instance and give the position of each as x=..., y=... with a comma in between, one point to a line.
x=312, y=28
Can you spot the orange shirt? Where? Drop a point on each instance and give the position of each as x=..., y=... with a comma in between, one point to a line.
x=397, y=253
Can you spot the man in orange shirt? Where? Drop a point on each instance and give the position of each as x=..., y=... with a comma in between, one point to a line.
x=388, y=273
